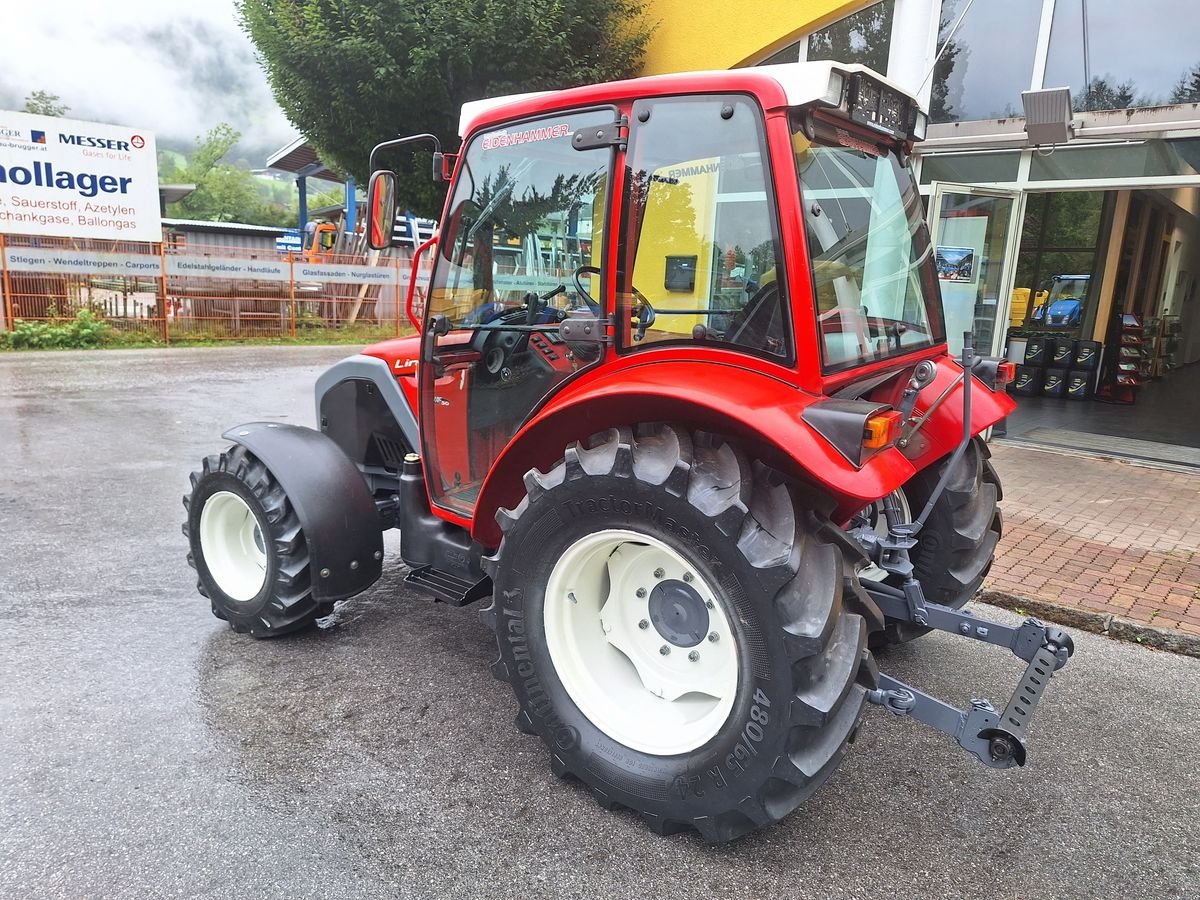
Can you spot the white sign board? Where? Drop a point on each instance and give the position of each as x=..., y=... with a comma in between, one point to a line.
x=219, y=267
x=80, y=262
x=63, y=178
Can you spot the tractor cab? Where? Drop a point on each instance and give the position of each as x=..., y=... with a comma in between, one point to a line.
x=762, y=219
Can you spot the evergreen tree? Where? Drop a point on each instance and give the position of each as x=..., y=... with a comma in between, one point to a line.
x=352, y=73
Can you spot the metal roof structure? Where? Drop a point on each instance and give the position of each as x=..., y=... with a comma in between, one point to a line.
x=221, y=227
x=301, y=159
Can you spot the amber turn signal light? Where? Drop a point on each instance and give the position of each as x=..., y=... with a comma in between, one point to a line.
x=1005, y=373
x=882, y=429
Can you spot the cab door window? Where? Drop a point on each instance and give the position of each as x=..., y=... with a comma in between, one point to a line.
x=517, y=257
x=702, y=260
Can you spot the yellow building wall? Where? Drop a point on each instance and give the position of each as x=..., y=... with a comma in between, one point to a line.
x=691, y=36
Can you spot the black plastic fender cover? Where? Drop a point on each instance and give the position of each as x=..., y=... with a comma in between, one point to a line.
x=330, y=496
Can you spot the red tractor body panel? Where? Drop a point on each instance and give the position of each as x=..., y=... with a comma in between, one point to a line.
x=759, y=400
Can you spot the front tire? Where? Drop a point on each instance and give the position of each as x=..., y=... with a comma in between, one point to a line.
x=687, y=639
x=247, y=547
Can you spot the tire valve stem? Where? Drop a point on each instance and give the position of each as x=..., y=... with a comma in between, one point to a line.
x=694, y=656
x=571, y=596
x=664, y=650
x=713, y=637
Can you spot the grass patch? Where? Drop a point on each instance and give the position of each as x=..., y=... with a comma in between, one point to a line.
x=88, y=331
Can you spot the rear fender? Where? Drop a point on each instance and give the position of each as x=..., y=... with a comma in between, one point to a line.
x=942, y=432
x=763, y=413
x=341, y=525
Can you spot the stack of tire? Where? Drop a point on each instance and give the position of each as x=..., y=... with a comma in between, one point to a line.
x=1056, y=366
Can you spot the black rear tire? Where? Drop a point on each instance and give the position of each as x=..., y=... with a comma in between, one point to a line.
x=782, y=573
x=957, y=546
x=284, y=603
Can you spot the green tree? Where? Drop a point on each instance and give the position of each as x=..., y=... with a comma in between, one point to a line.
x=352, y=73
x=941, y=109
x=43, y=103
x=224, y=192
x=1187, y=88
x=1105, y=92
x=862, y=37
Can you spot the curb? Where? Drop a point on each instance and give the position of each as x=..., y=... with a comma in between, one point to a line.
x=1098, y=623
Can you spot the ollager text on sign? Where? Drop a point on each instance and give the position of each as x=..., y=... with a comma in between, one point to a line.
x=63, y=178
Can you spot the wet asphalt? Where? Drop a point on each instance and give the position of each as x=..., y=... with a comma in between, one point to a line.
x=147, y=751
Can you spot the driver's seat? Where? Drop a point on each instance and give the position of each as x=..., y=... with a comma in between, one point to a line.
x=759, y=324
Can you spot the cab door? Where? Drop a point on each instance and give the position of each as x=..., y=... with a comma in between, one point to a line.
x=519, y=254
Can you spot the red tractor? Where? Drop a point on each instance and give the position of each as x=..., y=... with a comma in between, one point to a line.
x=681, y=406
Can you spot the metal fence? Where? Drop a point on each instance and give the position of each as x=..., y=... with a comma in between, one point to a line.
x=168, y=292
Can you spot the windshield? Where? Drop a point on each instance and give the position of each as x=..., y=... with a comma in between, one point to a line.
x=873, y=269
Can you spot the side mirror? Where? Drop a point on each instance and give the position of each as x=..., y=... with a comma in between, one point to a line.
x=381, y=208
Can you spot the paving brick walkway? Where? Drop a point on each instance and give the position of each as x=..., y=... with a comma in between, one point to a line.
x=1100, y=535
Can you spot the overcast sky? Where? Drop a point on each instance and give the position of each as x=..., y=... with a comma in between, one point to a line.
x=172, y=68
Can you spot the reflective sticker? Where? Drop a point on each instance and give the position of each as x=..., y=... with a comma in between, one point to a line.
x=846, y=139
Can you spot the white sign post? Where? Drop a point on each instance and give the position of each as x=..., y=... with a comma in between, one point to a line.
x=63, y=178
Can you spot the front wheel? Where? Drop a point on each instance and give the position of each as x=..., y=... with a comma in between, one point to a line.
x=687, y=639
x=247, y=547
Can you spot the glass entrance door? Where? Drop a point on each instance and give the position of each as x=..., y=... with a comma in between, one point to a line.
x=975, y=232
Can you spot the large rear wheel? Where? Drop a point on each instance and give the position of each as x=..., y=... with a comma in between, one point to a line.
x=684, y=635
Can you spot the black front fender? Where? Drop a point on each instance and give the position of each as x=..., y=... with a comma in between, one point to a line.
x=337, y=513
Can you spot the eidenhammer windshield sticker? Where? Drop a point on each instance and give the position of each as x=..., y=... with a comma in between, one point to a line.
x=508, y=138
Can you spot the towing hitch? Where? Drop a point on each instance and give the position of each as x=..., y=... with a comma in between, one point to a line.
x=997, y=739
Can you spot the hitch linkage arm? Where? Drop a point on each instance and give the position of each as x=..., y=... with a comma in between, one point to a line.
x=997, y=739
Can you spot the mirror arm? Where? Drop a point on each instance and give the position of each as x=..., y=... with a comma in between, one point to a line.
x=400, y=142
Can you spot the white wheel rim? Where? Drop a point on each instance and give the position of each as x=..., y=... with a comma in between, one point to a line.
x=606, y=645
x=233, y=546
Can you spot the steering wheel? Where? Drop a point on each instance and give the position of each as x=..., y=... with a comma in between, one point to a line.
x=645, y=314
x=581, y=290
x=498, y=345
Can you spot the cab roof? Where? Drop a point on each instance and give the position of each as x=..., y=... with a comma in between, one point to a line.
x=790, y=84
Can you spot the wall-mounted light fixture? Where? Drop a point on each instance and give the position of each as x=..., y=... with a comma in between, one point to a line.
x=1048, y=116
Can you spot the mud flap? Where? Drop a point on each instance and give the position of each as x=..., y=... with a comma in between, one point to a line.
x=337, y=513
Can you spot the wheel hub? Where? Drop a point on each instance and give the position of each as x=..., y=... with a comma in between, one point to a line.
x=678, y=613
x=663, y=690
x=233, y=546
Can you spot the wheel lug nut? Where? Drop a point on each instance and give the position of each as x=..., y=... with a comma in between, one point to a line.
x=643, y=624
x=641, y=592
x=659, y=573
x=713, y=637
x=709, y=604
x=694, y=656
x=325, y=573
x=664, y=650
x=687, y=576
